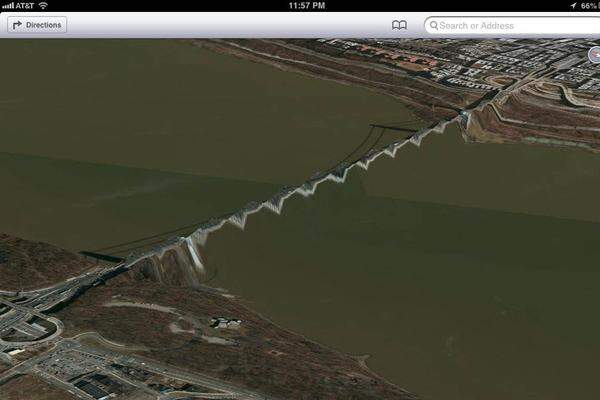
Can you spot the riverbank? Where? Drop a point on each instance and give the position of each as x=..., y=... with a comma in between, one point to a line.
x=520, y=116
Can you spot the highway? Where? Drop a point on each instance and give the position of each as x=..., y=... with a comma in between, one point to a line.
x=71, y=350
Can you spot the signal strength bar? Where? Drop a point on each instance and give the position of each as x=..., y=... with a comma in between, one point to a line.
x=10, y=6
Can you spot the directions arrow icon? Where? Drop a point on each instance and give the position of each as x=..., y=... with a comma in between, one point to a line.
x=15, y=24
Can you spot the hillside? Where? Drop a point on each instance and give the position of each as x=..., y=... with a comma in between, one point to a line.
x=27, y=265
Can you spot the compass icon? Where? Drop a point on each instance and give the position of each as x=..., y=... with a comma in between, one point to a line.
x=594, y=54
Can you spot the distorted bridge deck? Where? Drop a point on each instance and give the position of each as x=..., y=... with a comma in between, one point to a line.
x=394, y=128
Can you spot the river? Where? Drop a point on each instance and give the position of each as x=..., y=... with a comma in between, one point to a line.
x=120, y=140
x=464, y=271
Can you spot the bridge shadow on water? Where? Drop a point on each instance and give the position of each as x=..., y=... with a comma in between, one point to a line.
x=378, y=136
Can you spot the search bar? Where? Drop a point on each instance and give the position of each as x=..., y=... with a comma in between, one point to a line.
x=507, y=26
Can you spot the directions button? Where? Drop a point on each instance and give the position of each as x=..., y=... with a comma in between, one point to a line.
x=37, y=25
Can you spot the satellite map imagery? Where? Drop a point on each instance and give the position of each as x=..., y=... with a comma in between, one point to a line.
x=280, y=219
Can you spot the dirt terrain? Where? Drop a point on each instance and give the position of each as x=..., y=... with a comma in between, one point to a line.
x=27, y=387
x=26, y=265
x=177, y=325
